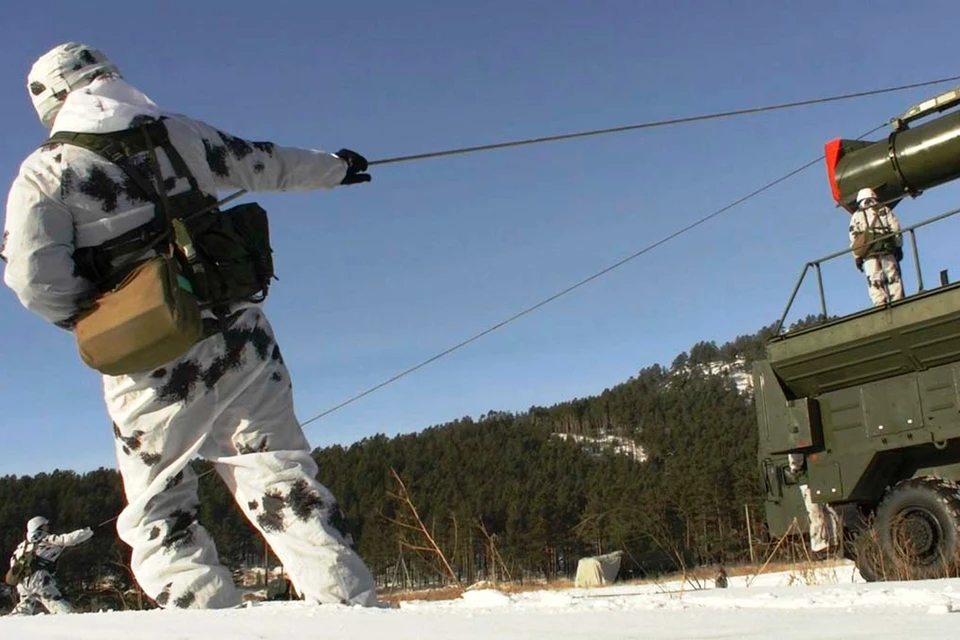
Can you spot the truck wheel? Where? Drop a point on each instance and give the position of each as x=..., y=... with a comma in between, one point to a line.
x=862, y=548
x=918, y=531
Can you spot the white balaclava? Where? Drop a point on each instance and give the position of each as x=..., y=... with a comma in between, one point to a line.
x=61, y=70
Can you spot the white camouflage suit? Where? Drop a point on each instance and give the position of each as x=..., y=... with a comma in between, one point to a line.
x=884, y=283
x=823, y=520
x=228, y=399
x=40, y=587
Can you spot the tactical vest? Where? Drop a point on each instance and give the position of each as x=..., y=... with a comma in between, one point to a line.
x=26, y=565
x=883, y=246
x=226, y=254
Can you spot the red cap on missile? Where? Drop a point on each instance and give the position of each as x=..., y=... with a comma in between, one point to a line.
x=832, y=152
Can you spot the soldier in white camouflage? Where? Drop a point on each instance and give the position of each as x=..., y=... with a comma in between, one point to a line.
x=229, y=397
x=823, y=520
x=33, y=566
x=879, y=258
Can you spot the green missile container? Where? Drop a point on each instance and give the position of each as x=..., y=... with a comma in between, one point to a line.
x=907, y=162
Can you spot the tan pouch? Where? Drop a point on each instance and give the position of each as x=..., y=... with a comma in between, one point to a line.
x=148, y=320
x=13, y=576
x=860, y=245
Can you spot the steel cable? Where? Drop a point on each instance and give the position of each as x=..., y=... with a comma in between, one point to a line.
x=579, y=284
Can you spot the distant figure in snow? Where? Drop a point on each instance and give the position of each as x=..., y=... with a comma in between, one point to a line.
x=78, y=219
x=33, y=565
x=879, y=259
x=720, y=582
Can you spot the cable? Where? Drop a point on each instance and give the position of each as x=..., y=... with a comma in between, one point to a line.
x=595, y=132
x=630, y=127
x=658, y=123
x=650, y=247
x=579, y=284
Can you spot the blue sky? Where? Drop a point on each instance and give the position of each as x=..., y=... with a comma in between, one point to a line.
x=376, y=278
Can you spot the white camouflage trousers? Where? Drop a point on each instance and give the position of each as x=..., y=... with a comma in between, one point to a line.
x=230, y=400
x=823, y=520
x=883, y=279
x=824, y=523
x=39, y=592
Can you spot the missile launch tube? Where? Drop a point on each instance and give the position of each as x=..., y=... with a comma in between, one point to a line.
x=907, y=162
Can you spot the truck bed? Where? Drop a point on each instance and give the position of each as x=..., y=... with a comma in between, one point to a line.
x=913, y=334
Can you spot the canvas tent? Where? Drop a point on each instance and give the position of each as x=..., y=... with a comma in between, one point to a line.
x=598, y=570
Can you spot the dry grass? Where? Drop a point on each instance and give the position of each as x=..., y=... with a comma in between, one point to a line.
x=802, y=567
x=812, y=572
x=452, y=592
x=442, y=593
x=868, y=546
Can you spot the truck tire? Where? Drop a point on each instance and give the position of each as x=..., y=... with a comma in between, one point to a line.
x=861, y=547
x=918, y=531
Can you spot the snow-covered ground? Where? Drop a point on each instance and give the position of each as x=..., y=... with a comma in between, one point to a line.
x=786, y=606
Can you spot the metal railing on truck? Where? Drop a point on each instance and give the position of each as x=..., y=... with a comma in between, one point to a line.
x=815, y=265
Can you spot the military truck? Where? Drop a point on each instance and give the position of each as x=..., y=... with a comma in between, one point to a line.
x=870, y=402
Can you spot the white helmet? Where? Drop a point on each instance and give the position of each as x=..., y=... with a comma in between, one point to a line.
x=866, y=193
x=37, y=528
x=61, y=70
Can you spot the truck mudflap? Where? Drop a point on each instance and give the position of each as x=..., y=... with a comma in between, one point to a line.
x=773, y=479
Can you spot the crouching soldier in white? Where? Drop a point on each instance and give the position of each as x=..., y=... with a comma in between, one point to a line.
x=227, y=398
x=34, y=564
x=879, y=259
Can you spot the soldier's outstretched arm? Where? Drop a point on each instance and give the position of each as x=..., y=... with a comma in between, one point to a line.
x=38, y=246
x=239, y=163
x=71, y=539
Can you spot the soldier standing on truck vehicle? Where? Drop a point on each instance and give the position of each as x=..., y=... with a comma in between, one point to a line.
x=33, y=565
x=879, y=259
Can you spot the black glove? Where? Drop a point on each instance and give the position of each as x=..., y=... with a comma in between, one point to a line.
x=356, y=165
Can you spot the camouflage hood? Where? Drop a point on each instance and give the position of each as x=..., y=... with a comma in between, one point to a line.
x=109, y=104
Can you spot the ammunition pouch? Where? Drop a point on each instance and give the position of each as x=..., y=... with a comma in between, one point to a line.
x=15, y=574
x=860, y=246
x=151, y=318
x=24, y=566
x=232, y=260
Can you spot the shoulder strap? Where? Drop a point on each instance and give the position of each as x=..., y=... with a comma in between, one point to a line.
x=117, y=147
x=169, y=222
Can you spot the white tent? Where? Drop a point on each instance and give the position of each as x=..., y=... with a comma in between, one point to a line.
x=598, y=570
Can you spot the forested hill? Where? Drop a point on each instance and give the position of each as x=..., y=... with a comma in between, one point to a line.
x=523, y=494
